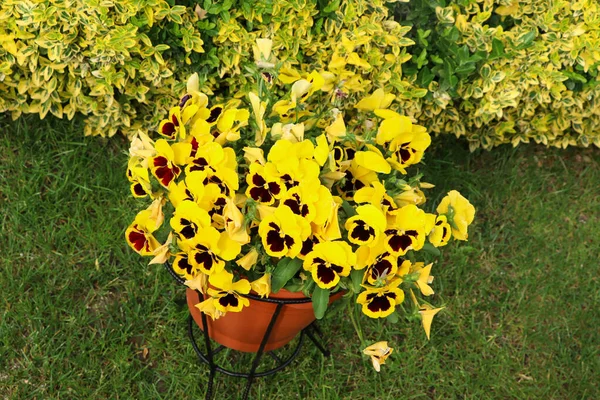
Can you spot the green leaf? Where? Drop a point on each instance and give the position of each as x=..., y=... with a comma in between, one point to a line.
x=448, y=70
x=320, y=301
x=285, y=270
x=526, y=40
x=575, y=76
x=422, y=59
x=425, y=77
x=465, y=69
x=497, y=49
x=431, y=249
x=356, y=278
x=348, y=209
x=331, y=7
x=463, y=55
x=225, y=16
x=437, y=59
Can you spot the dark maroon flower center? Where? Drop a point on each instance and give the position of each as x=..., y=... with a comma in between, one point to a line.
x=362, y=231
x=378, y=303
x=137, y=238
x=228, y=300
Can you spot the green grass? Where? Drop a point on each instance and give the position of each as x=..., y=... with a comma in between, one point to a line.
x=78, y=308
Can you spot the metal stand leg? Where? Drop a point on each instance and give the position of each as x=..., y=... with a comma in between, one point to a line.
x=211, y=364
x=261, y=350
x=208, y=358
x=312, y=337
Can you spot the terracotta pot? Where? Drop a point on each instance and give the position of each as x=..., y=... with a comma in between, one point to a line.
x=244, y=330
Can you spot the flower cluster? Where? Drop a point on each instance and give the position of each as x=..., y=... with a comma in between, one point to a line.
x=291, y=181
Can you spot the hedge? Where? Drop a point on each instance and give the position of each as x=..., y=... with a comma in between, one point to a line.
x=492, y=71
x=507, y=71
x=122, y=63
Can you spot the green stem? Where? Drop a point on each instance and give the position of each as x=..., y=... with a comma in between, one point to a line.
x=352, y=310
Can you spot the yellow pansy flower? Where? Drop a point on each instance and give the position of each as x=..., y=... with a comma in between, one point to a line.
x=288, y=75
x=283, y=108
x=172, y=126
x=283, y=232
x=330, y=228
x=408, y=149
x=139, y=234
x=381, y=265
x=309, y=200
x=293, y=162
x=459, y=212
x=372, y=160
x=164, y=165
x=392, y=126
x=308, y=245
x=366, y=227
x=227, y=294
x=141, y=146
x=188, y=219
x=441, y=232
x=291, y=132
x=316, y=80
x=300, y=91
x=262, y=49
x=263, y=185
x=381, y=302
x=194, y=103
x=210, y=249
x=328, y=261
x=407, y=231
x=376, y=195
x=140, y=180
x=219, y=163
x=190, y=189
x=183, y=267
x=234, y=222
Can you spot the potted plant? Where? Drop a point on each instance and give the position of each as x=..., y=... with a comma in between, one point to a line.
x=280, y=194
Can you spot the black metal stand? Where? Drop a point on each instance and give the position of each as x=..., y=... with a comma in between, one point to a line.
x=312, y=331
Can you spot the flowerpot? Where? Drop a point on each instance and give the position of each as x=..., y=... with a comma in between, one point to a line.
x=245, y=330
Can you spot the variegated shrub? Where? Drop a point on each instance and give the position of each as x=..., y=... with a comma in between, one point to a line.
x=508, y=71
x=101, y=58
x=121, y=62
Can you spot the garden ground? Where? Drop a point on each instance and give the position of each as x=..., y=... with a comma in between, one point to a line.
x=83, y=316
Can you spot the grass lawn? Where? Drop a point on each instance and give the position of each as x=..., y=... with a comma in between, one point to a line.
x=83, y=317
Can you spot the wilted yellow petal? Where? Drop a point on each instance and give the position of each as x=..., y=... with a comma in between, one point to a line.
x=427, y=313
x=262, y=286
x=248, y=260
